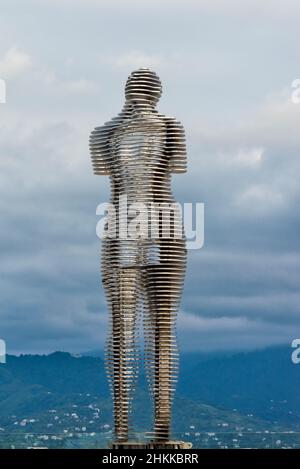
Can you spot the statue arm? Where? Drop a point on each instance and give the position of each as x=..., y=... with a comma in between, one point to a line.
x=176, y=146
x=100, y=150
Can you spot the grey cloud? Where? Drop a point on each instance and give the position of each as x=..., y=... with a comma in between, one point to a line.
x=226, y=76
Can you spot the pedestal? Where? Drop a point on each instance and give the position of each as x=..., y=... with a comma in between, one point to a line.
x=151, y=445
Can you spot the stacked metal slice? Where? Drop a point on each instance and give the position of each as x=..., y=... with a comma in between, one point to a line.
x=144, y=270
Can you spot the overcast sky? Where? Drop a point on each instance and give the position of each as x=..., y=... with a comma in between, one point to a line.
x=226, y=68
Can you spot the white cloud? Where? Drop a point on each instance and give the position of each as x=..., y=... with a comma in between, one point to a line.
x=224, y=333
x=80, y=86
x=260, y=198
x=192, y=322
x=14, y=63
x=49, y=78
x=251, y=157
x=290, y=8
x=247, y=157
x=132, y=59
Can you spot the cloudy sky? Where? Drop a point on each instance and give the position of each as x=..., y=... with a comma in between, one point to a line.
x=227, y=68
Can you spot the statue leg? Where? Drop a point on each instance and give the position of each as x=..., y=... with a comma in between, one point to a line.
x=163, y=284
x=122, y=354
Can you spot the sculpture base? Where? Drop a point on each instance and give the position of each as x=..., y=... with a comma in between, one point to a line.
x=151, y=445
x=171, y=444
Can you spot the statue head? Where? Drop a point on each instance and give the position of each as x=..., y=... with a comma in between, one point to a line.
x=143, y=88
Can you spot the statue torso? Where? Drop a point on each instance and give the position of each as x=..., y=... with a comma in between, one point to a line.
x=138, y=162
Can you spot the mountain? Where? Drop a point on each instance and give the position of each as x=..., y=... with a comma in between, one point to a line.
x=67, y=397
x=263, y=382
x=59, y=371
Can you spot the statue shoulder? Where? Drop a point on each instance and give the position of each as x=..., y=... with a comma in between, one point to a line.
x=100, y=148
x=175, y=145
x=173, y=124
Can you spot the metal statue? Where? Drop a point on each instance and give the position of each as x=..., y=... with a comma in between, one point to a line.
x=142, y=276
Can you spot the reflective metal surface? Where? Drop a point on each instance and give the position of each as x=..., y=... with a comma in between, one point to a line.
x=138, y=150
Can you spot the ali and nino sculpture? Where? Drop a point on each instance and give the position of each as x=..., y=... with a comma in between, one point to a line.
x=143, y=275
